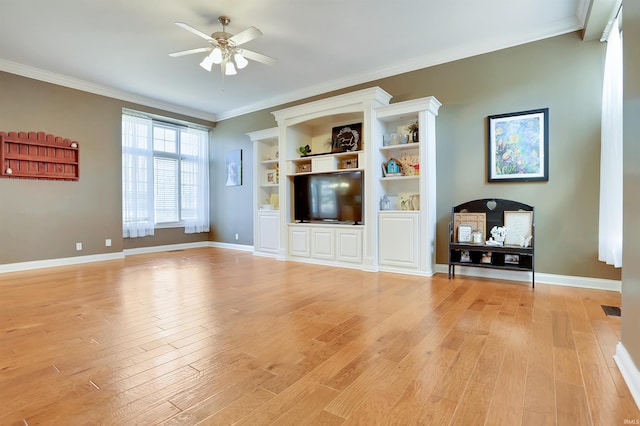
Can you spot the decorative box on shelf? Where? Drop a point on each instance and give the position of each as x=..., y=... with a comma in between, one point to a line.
x=303, y=168
x=324, y=164
x=351, y=163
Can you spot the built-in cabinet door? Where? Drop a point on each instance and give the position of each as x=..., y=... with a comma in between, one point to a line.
x=349, y=245
x=322, y=244
x=299, y=244
x=268, y=232
x=399, y=239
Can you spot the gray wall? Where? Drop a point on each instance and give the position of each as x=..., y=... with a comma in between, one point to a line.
x=631, y=267
x=563, y=73
x=44, y=219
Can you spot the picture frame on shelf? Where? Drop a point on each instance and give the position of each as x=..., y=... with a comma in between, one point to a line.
x=464, y=233
x=274, y=200
x=271, y=177
x=519, y=227
x=486, y=257
x=346, y=138
x=511, y=259
x=465, y=256
x=518, y=146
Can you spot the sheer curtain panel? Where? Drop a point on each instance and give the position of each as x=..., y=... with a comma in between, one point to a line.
x=195, y=180
x=610, y=226
x=137, y=177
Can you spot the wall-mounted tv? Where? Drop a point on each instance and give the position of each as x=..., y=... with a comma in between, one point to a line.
x=335, y=197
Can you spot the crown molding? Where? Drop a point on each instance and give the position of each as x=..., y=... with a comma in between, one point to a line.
x=466, y=50
x=98, y=89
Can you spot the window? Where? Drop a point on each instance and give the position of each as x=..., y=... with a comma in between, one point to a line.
x=165, y=176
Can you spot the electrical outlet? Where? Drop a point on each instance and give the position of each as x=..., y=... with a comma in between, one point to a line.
x=78, y=246
x=107, y=242
x=236, y=235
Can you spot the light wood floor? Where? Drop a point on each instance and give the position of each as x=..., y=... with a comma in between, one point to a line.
x=216, y=336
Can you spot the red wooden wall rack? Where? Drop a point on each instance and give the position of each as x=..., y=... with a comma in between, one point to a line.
x=36, y=155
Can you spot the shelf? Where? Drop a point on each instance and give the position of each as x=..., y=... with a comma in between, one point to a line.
x=268, y=162
x=401, y=177
x=506, y=257
x=527, y=251
x=492, y=266
x=332, y=171
x=307, y=158
x=400, y=147
x=396, y=211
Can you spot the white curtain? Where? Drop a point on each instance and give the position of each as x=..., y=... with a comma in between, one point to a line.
x=200, y=173
x=610, y=226
x=137, y=177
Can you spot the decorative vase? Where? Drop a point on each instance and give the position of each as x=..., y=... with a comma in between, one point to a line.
x=414, y=136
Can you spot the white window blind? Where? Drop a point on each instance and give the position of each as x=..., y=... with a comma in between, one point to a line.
x=165, y=189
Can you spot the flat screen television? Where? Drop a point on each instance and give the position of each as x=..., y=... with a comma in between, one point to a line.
x=329, y=197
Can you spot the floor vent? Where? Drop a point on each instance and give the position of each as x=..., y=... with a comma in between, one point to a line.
x=611, y=311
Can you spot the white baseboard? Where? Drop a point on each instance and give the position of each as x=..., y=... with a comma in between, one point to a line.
x=168, y=247
x=629, y=371
x=49, y=263
x=230, y=246
x=65, y=261
x=541, y=278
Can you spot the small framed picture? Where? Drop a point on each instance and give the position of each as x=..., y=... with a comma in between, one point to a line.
x=465, y=256
x=486, y=257
x=464, y=233
x=511, y=259
x=519, y=225
x=271, y=176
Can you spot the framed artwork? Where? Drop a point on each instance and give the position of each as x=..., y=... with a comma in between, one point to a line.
x=464, y=233
x=511, y=259
x=519, y=146
x=271, y=177
x=518, y=224
x=346, y=138
x=233, y=165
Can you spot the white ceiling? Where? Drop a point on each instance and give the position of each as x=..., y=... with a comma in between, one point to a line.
x=120, y=48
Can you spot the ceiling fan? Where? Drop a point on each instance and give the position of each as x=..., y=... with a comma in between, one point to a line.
x=224, y=48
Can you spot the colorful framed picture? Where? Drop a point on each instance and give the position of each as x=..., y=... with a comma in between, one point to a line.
x=519, y=146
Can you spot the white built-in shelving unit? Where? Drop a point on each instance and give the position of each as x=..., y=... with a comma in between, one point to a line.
x=400, y=239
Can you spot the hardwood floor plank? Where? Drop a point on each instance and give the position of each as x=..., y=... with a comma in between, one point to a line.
x=215, y=336
x=572, y=405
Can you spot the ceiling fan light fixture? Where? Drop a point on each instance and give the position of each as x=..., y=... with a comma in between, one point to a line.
x=216, y=55
x=229, y=68
x=240, y=60
x=207, y=63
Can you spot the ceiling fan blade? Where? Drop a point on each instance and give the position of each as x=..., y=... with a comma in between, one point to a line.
x=190, y=51
x=259, y=57
x=245, y=36
x=194, y=31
